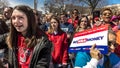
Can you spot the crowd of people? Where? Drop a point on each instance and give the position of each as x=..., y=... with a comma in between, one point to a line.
x=32, y=40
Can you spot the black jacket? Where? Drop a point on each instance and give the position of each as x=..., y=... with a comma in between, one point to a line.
x=40, y=58
x=3, y=44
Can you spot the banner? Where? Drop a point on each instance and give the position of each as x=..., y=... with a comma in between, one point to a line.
x=82, y=41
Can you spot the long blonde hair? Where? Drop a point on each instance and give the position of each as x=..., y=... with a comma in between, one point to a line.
x=50, y=30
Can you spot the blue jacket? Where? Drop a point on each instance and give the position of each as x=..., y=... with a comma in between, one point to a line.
x=82, y=58
x=67, y=27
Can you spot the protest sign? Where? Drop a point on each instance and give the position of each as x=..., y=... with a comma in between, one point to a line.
x=82, y=41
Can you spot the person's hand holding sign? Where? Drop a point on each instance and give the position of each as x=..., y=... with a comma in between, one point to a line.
x=95, y=53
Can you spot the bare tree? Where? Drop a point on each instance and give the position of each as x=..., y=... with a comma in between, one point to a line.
x=102, y=3
x=52, y=5
x=60, y=5
x=3, y=3
x=93, y=4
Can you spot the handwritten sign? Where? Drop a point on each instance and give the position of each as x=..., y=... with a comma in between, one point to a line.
x=82, y=41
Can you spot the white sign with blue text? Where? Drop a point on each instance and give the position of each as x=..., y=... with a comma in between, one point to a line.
x=82, y=41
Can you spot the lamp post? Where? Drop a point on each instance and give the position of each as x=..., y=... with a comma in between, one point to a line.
x=45, y=6
x=35, y=4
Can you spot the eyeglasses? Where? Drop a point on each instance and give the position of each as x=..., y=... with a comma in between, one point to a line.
x=107, y=13
x=83, y=21
x=75, y=12
x=53, y=22
x=111, y=43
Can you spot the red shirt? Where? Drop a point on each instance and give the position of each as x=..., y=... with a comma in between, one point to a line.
x=24, y=54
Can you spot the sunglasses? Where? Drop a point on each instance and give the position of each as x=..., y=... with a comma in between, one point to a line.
x=111, y=43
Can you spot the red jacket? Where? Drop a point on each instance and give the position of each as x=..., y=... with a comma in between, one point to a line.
x=74, y=23
x=60, y=47
x=117, y=50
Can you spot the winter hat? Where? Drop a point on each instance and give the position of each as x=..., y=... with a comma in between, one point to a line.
x=114, y=18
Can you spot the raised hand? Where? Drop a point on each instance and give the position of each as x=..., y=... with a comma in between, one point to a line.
x=95, y=53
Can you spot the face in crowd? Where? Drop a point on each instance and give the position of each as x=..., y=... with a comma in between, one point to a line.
x=75, y=12
x=7, y=12
x=63, y=18
x=23, y=20
x=83, y=23
x=54, y=24
x=19, y=21
x=106, y=15
x=111, y=41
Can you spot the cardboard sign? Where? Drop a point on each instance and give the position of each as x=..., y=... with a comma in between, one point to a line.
x=82, y=41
